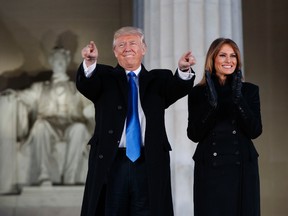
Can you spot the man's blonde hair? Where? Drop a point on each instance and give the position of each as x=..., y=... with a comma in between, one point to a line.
x=129, y=30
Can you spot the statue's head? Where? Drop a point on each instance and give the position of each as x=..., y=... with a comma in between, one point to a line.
x=59, y=60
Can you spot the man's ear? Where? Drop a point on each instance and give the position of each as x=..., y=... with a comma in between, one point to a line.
x=115, y=53
x=144, y=49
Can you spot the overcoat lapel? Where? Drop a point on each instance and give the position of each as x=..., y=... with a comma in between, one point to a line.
x=122, y=81
x=144, y=78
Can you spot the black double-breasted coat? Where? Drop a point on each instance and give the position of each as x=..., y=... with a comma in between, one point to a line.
x=107, y=88
x=226, y=178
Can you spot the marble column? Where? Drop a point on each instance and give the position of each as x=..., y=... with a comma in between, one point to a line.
x=173, y=27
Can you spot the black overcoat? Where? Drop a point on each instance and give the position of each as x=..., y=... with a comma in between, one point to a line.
x=107, y=88
x=226, y=178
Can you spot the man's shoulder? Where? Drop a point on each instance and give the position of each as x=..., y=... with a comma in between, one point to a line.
x=161, y=72
x=104, y=66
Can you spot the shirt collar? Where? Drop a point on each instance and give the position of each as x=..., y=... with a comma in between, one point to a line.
x=137, y=71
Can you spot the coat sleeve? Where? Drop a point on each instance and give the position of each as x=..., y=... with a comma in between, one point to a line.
x=91, y=86
x=201, y=115
x=176, y=88
x=248, y=111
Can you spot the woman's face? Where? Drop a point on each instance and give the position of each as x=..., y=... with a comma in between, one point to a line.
x=225, y=62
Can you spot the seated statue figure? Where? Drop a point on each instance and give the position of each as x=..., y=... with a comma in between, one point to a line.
x=57, y=110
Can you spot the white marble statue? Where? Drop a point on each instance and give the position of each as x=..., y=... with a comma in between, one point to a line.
x=56, y=141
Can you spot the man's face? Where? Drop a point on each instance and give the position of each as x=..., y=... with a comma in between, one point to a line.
x=129, y=51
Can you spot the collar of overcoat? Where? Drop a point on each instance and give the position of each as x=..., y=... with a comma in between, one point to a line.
x=144, y=78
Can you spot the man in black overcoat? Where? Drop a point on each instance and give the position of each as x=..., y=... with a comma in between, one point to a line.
x=116, y=185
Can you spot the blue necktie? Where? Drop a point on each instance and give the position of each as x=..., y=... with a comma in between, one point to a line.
x=133, y=130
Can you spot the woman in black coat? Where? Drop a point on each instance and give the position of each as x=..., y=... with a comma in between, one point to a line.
x=224, y=116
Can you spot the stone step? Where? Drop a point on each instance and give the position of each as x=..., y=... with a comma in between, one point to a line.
x=43, y=201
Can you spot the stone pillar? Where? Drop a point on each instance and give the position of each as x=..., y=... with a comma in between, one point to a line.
x=173, y=27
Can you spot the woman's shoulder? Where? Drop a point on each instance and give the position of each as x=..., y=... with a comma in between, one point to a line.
x=199, y=87
x=250, y=89
x=197, y=91
x=250, y=86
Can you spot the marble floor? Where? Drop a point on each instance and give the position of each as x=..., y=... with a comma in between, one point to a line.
x=43, y=201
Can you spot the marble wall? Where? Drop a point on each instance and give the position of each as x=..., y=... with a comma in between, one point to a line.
x=265, y=49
